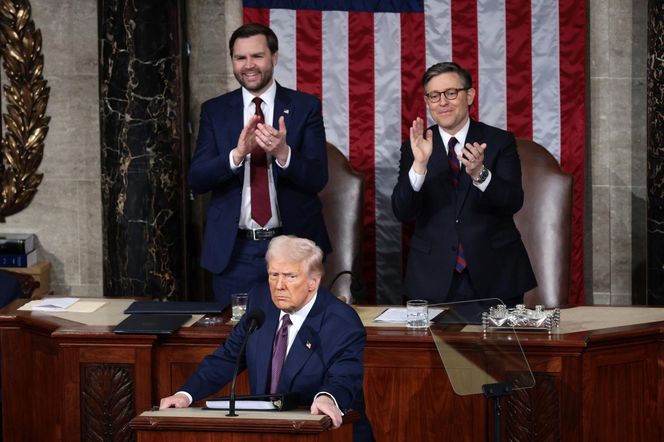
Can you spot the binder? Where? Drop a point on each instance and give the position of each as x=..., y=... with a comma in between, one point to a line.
x=151, y=324
x=174, y=307
x=256, y=402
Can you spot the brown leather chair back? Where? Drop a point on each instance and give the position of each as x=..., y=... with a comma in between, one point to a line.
x=343, y=208
x=545, y=222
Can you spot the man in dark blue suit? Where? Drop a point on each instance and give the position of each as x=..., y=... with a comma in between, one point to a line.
x=324, y=355
x=261, y=151
x=460, y=182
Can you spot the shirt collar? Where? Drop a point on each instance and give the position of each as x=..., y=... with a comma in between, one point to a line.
x=298, y=317
x=460, y=136
x=267, y=96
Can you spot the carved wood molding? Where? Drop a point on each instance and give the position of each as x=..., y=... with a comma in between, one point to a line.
x=107, y=402
x=27, y=95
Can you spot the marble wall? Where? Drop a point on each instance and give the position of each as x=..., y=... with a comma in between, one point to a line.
x=616, y=179
x=66, y=212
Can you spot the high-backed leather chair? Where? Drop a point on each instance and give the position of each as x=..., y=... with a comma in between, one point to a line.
x=545, y=223
x=343, y=206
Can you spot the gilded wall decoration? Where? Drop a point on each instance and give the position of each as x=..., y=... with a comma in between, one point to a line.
x=25, y=120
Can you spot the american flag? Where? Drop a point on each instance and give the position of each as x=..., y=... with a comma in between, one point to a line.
x=365, y=59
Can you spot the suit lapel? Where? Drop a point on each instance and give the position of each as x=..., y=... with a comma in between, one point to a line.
x=264, y=336
x=235, y=124
x=282, y=107
x=465, y=182
x=306, y=343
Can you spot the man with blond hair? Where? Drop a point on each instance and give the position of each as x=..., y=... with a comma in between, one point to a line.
x=321, y=354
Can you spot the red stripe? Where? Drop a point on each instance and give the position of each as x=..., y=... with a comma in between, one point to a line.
x=464, y=42
x=256, y=15
x=519, y=68
x=572, y=24
x=309, y=44
x=413, y=65
x=361, y=130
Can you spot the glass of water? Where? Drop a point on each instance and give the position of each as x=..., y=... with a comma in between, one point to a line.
x=417, y=313
x=239, y=305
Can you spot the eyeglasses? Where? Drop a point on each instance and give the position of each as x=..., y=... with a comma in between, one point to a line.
x=450, y=94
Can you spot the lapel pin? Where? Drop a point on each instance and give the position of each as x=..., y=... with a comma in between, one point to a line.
x=286, y=111
x=308, y=345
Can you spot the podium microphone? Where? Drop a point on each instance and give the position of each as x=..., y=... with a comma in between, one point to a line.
x=255, y=319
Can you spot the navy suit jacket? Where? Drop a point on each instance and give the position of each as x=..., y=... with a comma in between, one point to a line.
x=221, y=122
x=497, y=260
x=327, y=355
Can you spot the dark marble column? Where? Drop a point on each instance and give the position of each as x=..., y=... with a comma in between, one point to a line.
x=655, y=79
x=144, y=151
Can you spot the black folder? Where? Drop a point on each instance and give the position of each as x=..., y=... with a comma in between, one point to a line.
x=157, y=324
x=174, y=307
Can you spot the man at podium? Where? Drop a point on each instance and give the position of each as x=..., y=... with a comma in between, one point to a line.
x=310, y=342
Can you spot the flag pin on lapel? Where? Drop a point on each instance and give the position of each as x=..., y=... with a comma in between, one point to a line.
x=308, y=345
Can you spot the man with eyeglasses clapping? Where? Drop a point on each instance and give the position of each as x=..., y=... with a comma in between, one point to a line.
x=460, y=183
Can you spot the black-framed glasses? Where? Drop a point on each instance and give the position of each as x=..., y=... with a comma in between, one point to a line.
x=450, y=94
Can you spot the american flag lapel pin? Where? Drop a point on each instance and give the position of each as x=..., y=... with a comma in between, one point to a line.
x=308, y=345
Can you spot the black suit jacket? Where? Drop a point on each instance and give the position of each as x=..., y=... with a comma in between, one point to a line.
x=483, y=221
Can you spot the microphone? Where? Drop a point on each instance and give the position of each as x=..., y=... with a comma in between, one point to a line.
x=254, y=321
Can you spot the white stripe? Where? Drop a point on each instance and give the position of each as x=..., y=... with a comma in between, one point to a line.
x=492, y=54
x=546, y=75
x=335, y=79
x=282, y=22
x=438, y=34
x=387, y=120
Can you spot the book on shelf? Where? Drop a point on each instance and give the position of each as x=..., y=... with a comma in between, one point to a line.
x=18, y=259
x=17, y=243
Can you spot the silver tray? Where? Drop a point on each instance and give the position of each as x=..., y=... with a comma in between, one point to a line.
x=520, y=319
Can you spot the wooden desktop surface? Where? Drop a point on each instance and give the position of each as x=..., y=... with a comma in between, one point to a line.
x=602, y=378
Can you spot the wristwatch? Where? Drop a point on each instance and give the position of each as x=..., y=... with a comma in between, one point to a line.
x=484, y=174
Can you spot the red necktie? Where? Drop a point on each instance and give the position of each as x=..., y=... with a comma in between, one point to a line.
x=455, y=172
x=260, y=193
x=279, y=352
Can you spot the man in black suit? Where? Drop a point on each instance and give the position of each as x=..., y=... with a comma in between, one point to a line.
x=462, y=199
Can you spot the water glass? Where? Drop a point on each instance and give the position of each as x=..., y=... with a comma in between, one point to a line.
x=417, y=313
x=239, y=305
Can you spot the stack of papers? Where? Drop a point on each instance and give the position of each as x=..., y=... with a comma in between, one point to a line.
x=54, y=304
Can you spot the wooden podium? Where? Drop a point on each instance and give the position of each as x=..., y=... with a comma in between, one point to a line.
x=197, y=425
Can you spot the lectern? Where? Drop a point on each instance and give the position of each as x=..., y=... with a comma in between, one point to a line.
x=197, y=425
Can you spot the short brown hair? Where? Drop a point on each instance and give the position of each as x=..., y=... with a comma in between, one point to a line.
x=251, y=29
x=444, y=68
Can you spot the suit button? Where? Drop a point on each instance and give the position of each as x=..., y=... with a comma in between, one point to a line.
x=456, y=221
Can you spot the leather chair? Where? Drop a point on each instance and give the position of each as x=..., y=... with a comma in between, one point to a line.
x=343, y=208
x=545, y=224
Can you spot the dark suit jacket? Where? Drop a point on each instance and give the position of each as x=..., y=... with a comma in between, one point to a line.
x=483, y=221
x=327, y=355
x=222, y=120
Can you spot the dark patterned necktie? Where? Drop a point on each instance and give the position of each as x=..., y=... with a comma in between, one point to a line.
x=279, y=352
x=455, y=172
x=260, y=193
x=453, y=161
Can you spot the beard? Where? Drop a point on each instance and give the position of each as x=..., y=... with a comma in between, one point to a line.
x=265, y=78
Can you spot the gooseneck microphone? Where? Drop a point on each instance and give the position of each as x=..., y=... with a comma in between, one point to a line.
x=255, y=319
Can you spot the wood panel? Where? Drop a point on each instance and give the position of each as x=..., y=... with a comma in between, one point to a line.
x=603, y=385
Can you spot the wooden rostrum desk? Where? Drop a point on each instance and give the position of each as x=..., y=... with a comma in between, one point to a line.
x=600, y=379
